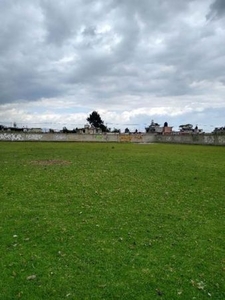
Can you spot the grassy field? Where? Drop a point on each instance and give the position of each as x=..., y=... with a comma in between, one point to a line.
x=111, y=221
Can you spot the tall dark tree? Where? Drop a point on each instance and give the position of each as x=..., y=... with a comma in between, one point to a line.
x=95, y=120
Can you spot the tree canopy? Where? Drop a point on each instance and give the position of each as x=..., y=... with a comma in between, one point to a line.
x=95, y=120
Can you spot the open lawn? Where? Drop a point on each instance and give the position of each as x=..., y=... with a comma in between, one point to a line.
x=111, y=221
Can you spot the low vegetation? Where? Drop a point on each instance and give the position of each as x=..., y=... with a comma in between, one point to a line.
x=111, y=221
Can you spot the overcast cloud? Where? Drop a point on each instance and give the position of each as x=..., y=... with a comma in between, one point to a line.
x=132, y=61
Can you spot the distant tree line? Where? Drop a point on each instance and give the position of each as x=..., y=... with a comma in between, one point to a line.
x=96, y=123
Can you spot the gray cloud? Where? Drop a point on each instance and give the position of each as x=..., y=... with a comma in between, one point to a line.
x=112, y=53
x=217, y=10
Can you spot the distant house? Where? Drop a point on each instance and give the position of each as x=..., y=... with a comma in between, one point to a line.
x=219, y=130
x=167, y=130
x=34, y=130
x=89, y=130
x=156, y=128
x=188, y=129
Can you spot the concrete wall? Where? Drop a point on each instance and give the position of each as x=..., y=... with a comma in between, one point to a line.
x=71, y=137
x=196, y=139
x=201, y=139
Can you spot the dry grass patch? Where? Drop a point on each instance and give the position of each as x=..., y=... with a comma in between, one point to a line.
x=50, y=162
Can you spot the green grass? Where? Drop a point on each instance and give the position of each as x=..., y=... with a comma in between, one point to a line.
x=118, y=221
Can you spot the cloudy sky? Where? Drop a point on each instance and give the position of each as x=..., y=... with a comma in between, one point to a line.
x=131, y=60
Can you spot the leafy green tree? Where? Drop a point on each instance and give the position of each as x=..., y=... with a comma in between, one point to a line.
x=95, y=120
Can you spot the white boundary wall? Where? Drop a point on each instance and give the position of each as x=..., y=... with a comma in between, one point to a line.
x=200, y=139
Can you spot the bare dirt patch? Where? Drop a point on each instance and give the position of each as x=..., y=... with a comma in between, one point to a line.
x=49, y=162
